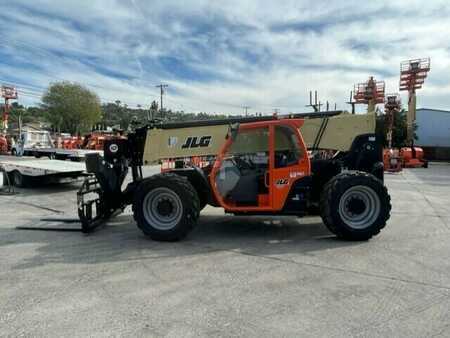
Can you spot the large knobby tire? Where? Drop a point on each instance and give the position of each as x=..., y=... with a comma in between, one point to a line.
x=355, y=205
x=166, y=207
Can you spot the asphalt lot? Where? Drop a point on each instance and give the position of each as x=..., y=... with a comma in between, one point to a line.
x=233, y=276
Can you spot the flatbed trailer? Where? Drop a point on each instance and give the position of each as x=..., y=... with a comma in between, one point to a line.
x=23, y=171
x=60, y=154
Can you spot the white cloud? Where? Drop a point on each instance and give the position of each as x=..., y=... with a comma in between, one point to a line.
x=219, y=56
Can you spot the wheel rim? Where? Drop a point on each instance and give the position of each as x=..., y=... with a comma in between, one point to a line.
x=359, y=207
x=162, y=208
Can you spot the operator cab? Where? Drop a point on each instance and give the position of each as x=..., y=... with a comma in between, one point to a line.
x=241, y=175
x=259, y=164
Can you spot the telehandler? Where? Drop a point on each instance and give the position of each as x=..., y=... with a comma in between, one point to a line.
x=248, y=166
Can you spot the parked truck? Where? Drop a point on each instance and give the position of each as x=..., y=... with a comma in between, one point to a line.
x=38, y=143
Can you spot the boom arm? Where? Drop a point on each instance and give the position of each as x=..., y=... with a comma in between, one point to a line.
x=336, y=133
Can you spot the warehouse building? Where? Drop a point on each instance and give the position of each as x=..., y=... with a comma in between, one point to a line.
x=433, y=132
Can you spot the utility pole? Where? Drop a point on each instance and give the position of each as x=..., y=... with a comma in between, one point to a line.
x=316, y=104
x=246, y=108
x=161, y=87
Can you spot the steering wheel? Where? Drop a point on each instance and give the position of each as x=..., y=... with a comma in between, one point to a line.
x=243, y=165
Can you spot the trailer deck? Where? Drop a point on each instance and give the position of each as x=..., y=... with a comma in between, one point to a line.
x=23, y=169
x=60, y=154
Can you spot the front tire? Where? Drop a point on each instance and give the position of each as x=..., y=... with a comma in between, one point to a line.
x=166, y=207
x=355, y=206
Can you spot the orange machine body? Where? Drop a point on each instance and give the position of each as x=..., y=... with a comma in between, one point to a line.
x=413, y=157
x=278, y=181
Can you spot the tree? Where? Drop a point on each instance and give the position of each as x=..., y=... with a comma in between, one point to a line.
x=119, y=115
x=30, y=114
x=398, y=132
x=70, y=107
x=18, y=111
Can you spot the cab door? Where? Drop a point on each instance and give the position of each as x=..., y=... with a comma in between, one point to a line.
x=289, y=162
x=240, y=177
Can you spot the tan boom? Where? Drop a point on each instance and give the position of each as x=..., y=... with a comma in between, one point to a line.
x=338, y=133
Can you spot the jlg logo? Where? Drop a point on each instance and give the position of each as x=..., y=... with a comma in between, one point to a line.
x=196, y=142
x=281, y=182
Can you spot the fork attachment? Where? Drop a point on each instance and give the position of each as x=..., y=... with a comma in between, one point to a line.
x=92, y=209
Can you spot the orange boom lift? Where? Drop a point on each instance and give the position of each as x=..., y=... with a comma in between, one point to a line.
x=412, y=77
x=8, y=93
x=370, y=93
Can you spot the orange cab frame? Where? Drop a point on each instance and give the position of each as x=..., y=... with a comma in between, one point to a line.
x=274, y=201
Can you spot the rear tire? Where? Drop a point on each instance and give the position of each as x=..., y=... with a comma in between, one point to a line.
x=355, y=206
x=166, y=207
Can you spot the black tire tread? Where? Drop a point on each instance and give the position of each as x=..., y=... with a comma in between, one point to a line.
x=326, y=210
x=191, y=206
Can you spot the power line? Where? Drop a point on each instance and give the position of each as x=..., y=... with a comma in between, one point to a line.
x=40, y=90
x=15, y=83
x=30, y=92
x=46, y=52
x=43, y=51
x=29, y=95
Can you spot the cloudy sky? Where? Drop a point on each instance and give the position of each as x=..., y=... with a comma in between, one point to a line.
x=217, y=56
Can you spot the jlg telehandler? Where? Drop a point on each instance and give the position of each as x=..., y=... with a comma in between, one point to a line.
x=250, y=166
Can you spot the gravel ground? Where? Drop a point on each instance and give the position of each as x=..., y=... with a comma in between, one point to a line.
x=233, y=276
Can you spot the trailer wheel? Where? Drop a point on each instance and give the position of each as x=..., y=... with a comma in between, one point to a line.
x=355, y=205
x=166, y=207
x=18, y=179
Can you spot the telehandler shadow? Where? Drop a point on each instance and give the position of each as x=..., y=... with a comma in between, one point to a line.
x=120, y=240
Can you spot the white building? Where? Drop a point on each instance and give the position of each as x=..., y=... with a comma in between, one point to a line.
x=433, y=128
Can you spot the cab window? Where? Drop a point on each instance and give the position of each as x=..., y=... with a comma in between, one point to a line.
x=287, y=147
x=241, y=177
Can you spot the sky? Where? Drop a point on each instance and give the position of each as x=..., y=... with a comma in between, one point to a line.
x=218, y=56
